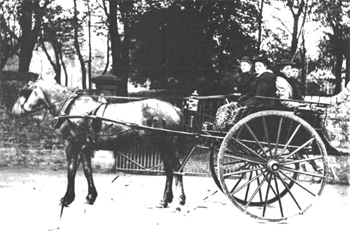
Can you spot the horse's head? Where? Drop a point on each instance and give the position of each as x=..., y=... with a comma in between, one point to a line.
x=31, y=98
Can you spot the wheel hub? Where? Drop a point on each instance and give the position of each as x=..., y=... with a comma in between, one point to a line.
x=273, y=166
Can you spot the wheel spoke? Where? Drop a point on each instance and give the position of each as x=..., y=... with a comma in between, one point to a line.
x=296, y=182
x=302, y=172
x=248, y=187
x=244, y=158
x=245, y=147
x=290, y=192
x=255, y=138
x=254, y=194
x=266, y=130
x=258, y=183
x=240, y=172
x=267, y=195
x=301, y=160
x=265, y=175
x=279, y=196
x=240, y=179
x=244, y=166
x=298, y=149
x=245, y=184
x=278, y=136
x=291, y=138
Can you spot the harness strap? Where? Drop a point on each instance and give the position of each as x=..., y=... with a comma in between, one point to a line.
x=97, y=123
x=64, y=108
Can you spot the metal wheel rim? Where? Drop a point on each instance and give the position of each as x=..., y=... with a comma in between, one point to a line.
x=265, y=114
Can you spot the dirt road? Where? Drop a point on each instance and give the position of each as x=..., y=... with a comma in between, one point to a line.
x=29, y=203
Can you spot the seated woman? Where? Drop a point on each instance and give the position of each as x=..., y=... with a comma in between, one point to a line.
x=264, y=84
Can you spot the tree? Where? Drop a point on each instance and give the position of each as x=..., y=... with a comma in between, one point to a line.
x=297, y=8
x=8, y=40
x=76, y=27
x=187, y=44
x=260, y=16
x=334, y=14
x=29, y=11
x=120, y=43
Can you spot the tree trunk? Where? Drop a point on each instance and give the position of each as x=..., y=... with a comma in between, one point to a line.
x=90, y=55
x=338, y=68
x=296, y=16
x=55, y=64
x=294, y=46
x=260, y=24
x=77, y=45
x=116, y=44
x=29, y=35
x=347, y=56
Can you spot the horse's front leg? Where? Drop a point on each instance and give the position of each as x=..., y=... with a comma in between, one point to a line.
x=168, y=191
x=173, y=154
x=72, y=154
x=86, y=155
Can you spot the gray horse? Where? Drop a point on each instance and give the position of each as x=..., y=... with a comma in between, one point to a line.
x=83, y=135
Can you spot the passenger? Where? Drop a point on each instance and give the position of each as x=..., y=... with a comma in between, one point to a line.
x=295, y=78
x=284, y=69
x=245, y=80
x=264, y=84
x=231, y=79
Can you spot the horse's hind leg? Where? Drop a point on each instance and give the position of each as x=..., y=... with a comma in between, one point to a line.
x=72, y=153
x=175, y=154
x=171, y=165
x=168, y=191
x=86, y=155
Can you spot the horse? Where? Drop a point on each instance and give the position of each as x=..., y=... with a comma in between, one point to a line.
x=82, y=135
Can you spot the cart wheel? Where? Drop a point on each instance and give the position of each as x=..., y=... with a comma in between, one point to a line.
x=272, y=165
x=214, y=172
x=213, y=166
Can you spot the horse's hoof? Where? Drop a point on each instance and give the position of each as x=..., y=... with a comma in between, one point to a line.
x=65, y=202
x=162, y=204
x=182, y=200
x=90, y=199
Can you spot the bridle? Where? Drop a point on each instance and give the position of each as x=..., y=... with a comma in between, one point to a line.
x=28, y=91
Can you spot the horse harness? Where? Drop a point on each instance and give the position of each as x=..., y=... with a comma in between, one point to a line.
x=92, y=134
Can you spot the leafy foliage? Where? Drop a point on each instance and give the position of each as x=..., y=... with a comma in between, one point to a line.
x=187, y=45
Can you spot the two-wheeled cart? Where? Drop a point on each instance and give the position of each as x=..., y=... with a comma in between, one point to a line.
x=271, y=164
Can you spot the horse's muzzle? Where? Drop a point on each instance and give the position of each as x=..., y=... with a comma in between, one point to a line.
x=18, y=109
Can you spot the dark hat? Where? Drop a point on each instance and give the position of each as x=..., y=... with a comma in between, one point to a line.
x=261, y=58
x=246, y=59
x=296, y=65
x=284, y=62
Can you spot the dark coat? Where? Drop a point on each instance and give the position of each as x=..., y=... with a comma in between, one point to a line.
x=263, y=85
x=245, y=83
x=298, y=90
